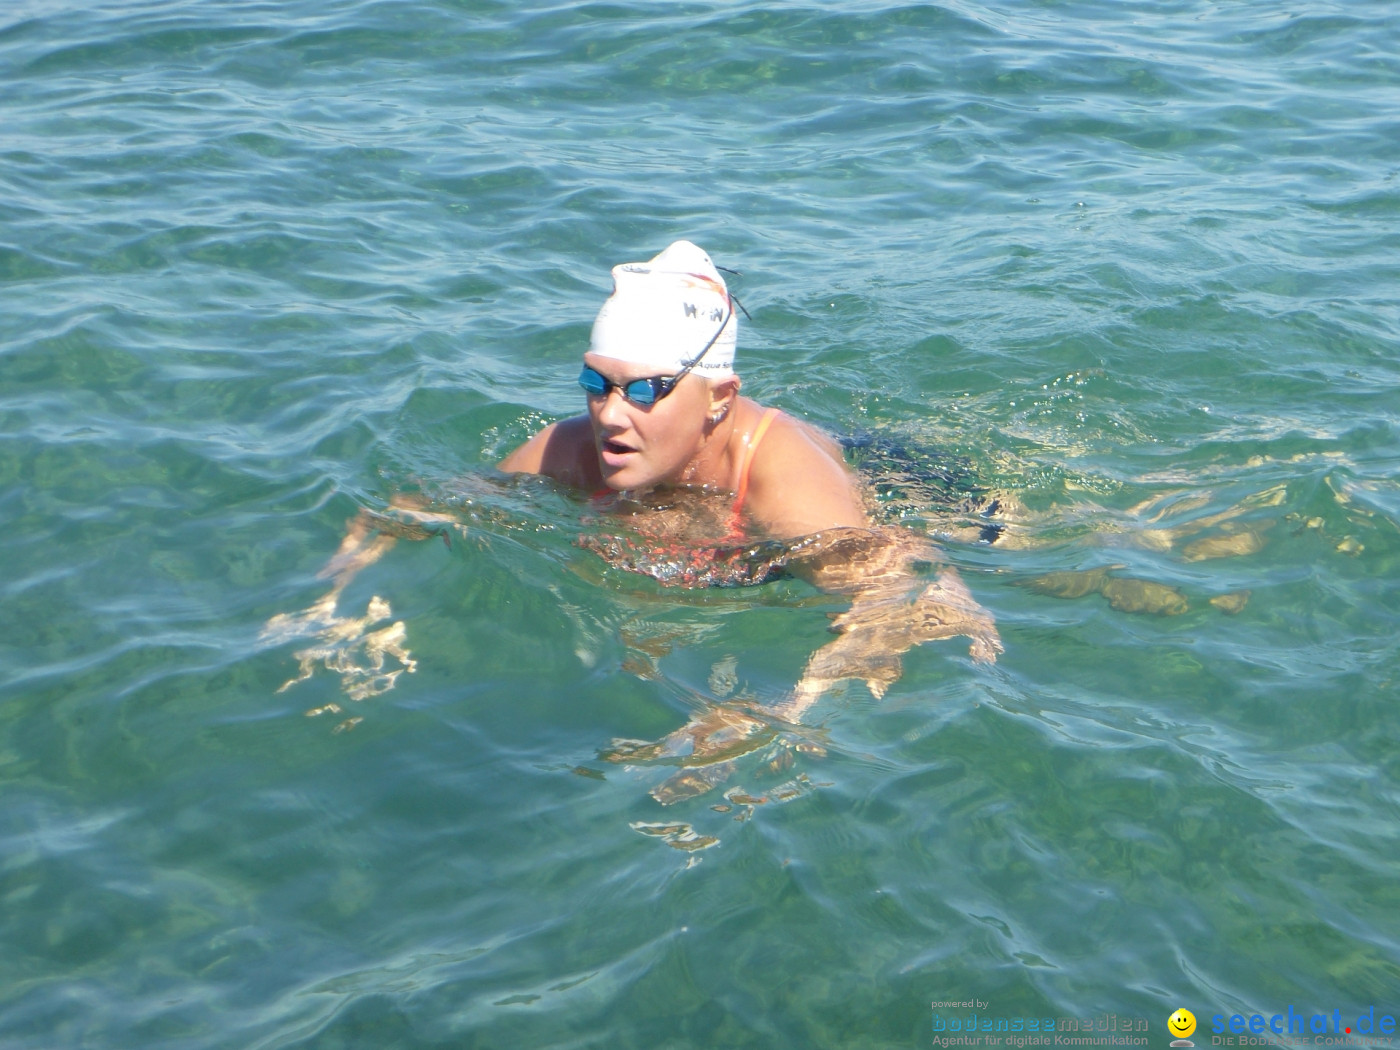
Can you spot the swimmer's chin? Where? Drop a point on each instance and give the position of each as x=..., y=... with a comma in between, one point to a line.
x=624, y=477
x=616, y=479
x=627, y=489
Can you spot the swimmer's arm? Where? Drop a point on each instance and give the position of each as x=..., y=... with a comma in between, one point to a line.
x=369, y=536
x=801, y=488
x=894, y=608
x=563, y=451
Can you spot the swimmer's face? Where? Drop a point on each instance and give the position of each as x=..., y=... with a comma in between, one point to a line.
x=640, y=446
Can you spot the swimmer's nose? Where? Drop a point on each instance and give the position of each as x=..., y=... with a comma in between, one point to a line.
x=613, y=411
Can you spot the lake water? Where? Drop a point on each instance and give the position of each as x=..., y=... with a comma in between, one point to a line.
x=265, y=264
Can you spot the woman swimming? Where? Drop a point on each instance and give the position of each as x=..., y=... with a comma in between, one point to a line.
x=665, y=414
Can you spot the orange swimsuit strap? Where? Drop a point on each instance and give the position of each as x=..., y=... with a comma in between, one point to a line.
x=746, y=462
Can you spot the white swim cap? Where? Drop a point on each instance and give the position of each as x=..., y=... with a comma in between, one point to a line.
x=664, y=312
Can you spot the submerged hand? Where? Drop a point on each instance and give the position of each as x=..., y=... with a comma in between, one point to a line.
x=368, y=537
x=875, y=631
x=719, y=733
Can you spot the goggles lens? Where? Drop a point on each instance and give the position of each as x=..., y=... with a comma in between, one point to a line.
x=637, y=391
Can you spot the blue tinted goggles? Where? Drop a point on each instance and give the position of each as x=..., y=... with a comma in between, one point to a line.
x=638, y=391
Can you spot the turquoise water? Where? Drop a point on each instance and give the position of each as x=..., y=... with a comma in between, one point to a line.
x=266, y=264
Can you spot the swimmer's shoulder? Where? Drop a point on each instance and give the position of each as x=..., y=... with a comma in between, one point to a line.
x=799, y=483
x=563, y=451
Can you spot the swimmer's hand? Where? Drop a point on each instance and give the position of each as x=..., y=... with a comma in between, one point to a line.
x=708, y=746
x=880, y=626
x=717, y=734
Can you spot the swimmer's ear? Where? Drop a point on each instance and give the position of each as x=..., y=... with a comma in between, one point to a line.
x=722, y=395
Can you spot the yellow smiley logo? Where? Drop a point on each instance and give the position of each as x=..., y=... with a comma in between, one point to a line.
x=1182, y=1023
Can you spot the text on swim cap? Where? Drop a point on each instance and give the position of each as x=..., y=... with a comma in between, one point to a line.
x=716, y=314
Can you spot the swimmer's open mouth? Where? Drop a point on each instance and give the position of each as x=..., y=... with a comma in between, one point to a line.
x=617, y=448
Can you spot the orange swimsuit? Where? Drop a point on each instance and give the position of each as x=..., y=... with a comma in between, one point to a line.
x=734, y=561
